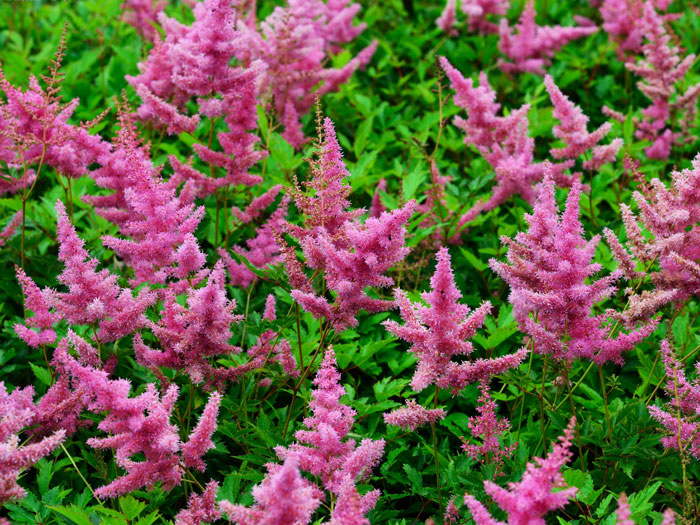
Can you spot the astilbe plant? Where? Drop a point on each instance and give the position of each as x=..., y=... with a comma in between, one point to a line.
x=663, y=237
x=200, y=508
x=621, y=22
x=529, y=47
x=324, y=450
x=284, y=496
x=478, y=13
x=139, y=425
x=350, y=255
x=552, y=291
x=17, y=413
x=490, y=429
x=94, y=297
x=661, y=70
x=143, y=15
x=679, y=419
x=527, y=501
x=413, y=415
x=505, y=144
x=441, y=330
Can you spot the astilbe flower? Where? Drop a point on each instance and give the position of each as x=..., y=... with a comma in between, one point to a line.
x=572, y=131
x=284, y=496
x=200, y=441
x=660, y=70
x=294, y=42
x=325, y=203
x=17, y=411
x=487, y=426
x=621, y=22
x=548, y=270
x=529, y=500
x=413, y=415
x=679, y=419
x=376, y=208
x=34, y=126
x=325, y=451
x=669, y=252
x=477, y=12
x=441, y=330
x=372, y=249
x=93, y=297
x=143, y=15
x=200, y=508
x=529, y=46
x=138, y=425
x=623, y=515
x=504, y=142
x=190, y=337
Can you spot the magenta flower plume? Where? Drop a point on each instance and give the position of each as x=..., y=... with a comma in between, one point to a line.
x=621, y=22
x=325, y=203
x=504, y=142
x=200, y=508
x=661, y=69
x=441, y=330
x=669, y=255
x=9, y=230
x=38, y=302
x=143, y=15
x=572, y=130
x=372, y=249
x=478, y=13
x=679, y=419
x=549, y=268
x=323, y=447
x=17, y=411
x=284, y=496
x=413, y=416
x=529, y=500
x=490, y=429
x=530, y=46
x=190, y=337
x=200, y=441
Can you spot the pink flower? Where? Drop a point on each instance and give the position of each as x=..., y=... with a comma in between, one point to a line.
x=413, y=416
x=530, y=46
x=441, y=330
x=529, y=500
x=200, y=509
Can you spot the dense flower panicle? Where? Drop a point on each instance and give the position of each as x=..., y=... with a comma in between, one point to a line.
x=38, y=302
x=17, y=411
x=325, y=203
x=621, y=22
x=323, y=448
x=200, y=441
x=200, y=508
x=441, y=330
x=503, y=141
x=550, y=265
x=661, y=69
x=372, y=249
x=143, y=15
x=294, y=41
x=572, y=130
x=670, y=214
x=529, y=500
x=477, y=11
x=93, y=297
x=270, y=313
x=413, y=416
x=490, y=429
x=35, y=127
x=679, y=419
x=190, y=337
x=284, y=496
x=529, y=46
x=135, y=425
